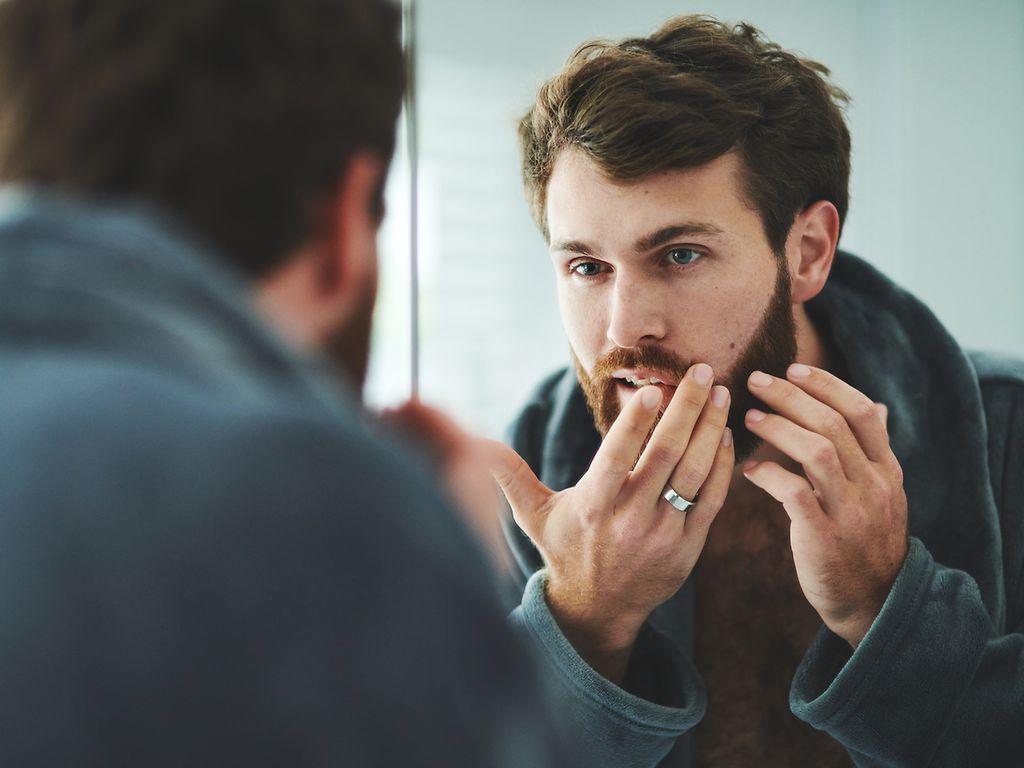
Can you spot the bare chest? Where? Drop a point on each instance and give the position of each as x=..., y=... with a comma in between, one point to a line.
x=752, y=627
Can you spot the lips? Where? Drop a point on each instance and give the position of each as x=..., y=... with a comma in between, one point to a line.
x=626, y=390
x=639, y=377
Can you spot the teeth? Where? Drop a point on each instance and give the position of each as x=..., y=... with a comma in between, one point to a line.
x=644, y=382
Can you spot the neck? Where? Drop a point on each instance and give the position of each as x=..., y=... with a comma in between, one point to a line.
x=285, y=299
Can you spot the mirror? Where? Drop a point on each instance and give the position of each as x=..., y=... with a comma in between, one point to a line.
x=936, y=189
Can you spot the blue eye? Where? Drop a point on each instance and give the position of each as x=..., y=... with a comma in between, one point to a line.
x=683, y=256
x=586, y=269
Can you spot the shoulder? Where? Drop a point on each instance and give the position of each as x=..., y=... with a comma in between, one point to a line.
x=101, y=440
x=194, y=520
x=996, y=369
x=1001, y=382
x=119, y=413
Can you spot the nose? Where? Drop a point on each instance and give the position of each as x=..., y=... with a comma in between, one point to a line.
x=638, y=314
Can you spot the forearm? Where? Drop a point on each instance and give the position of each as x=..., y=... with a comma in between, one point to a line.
x=623, y=728
x=933, y=682
x=611, y=661
x=604, y=642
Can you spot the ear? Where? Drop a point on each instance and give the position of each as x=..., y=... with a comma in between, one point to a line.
x=345, y=265
x=811, y=249
x=331, y=278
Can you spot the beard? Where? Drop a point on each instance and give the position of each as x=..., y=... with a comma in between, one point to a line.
x=772, y=349
x=347, y=348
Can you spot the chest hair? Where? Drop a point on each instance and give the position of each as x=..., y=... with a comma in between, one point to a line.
x=752, y=627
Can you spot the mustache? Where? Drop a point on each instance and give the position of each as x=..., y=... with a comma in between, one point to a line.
x=647, y=356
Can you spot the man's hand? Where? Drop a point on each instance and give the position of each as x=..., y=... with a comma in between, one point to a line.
x=614, y=548
x=849, y=514
x=462, y=466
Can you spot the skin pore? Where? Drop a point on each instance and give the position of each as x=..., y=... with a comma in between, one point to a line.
x=674, y=269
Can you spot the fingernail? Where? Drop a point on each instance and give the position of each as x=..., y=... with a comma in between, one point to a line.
x=702, y=374
x=748, y=465
x=650, y=397
x=720, y=396
x=759, y=379
x=799, y=371
x=727, y=437
x=755, y=415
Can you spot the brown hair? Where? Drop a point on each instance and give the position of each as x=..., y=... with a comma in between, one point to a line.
x=690, y=92
x=239, y=117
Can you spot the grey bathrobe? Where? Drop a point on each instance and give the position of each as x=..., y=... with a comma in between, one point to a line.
x=939, y=678
x=206, y=558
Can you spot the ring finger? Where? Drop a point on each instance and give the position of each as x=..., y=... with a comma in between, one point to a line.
x=692, y=470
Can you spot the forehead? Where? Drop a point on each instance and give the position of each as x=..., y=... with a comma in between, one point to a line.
x=584, y=205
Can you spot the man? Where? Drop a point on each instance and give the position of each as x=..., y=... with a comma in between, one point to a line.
x=860, y=596
x=208, y=558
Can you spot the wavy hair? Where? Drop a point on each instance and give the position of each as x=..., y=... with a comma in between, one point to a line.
x=690, y=92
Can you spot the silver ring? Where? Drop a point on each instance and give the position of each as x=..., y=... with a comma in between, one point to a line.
x=677, y=501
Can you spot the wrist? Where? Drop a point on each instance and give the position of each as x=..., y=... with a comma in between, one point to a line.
x=604, y=642
x=854, y=627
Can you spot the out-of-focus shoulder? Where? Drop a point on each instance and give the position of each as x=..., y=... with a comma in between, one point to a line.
x=994, y=368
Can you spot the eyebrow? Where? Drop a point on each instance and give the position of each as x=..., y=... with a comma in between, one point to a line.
x=649, y=241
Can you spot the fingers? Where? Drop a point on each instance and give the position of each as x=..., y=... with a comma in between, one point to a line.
x=527, y=496
x=690, y=474
x=428, y=427
x=470, y=485
x=794, y=492
x=854, y=406
x=672, y=435
x=816, y=453
x=713, y=492
x=614, y=460
x=798, y=406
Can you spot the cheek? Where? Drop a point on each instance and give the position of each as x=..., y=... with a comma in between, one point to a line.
x=583, y=318
x=722, y=328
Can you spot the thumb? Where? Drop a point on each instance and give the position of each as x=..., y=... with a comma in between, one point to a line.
x=430, y=429
x=883, y=413
x=525, y=493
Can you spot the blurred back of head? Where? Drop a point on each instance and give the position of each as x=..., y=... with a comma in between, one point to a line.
x=239, y=116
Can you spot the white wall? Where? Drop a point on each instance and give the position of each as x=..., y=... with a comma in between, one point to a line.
x=937, y=187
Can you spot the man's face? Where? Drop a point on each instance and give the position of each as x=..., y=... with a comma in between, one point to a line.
x=659, y=274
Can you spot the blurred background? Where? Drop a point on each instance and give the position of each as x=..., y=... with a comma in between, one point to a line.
x=937, y=195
